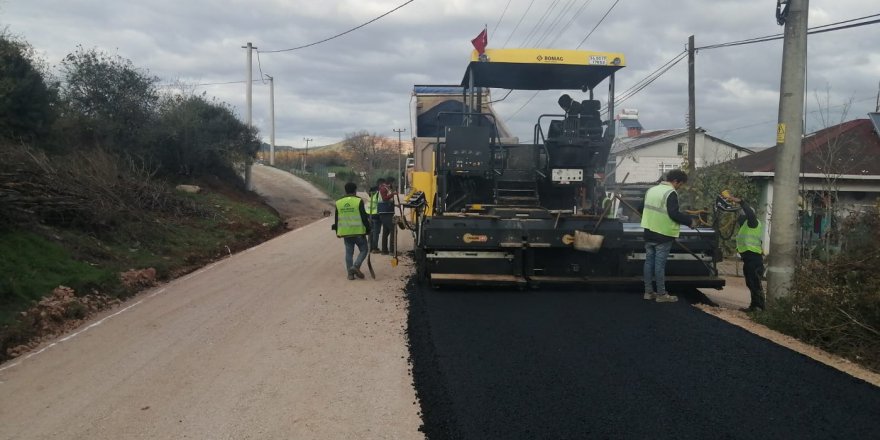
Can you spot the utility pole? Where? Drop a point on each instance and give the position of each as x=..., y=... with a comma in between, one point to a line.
x=272, y=119
x=789, y=134
x=692, y=108
x=305, y=157
x=399, y=153
x=248, y=183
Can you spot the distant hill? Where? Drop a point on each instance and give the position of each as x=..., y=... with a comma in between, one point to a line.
x=406, y=145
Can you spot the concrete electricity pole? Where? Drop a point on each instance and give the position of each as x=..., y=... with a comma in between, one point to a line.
x=272, y=119
x=248, y=183
x=399, y=152
x=789, y=134
x=692, y=109
x=306, y=156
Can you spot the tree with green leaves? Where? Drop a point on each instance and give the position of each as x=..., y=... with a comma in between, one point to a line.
x=26, y=99
x=108, y=102
x=198, y=135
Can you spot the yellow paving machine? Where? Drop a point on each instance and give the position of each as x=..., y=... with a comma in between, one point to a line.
x=489, y=209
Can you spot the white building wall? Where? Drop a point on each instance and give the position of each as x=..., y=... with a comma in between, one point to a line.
x=645, y=164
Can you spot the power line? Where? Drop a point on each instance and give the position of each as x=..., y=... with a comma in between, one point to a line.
x=554, y=24
x=539, y=23
x=260, y=65
x=813, y=30
x=644, y=83
x=578, y=46
x=724, y=132
x=501, y=17
x=518, y=23
x=207, y=84
x=339, y=34
x=597, y=24
x=641, y=85
x=571, y=20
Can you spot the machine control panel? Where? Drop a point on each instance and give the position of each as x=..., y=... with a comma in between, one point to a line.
x=467, y=149
x=566, y=176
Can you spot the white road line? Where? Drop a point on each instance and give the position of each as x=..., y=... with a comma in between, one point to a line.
x=173, y=282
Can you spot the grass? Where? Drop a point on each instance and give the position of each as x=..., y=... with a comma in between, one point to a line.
x=31, y=266
x=35, y=260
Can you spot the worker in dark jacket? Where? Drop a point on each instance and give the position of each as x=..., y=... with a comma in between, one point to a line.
x=750, y=245
x=353, y=226
x=661, y=221
x=373, y=212
x=386, y=210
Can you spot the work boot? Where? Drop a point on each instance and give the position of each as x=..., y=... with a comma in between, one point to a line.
x=666, y=298
x=650, y=295
x=358, y=273
x=351, y=273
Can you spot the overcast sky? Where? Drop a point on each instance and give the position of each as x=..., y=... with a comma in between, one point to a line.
x=363, y=80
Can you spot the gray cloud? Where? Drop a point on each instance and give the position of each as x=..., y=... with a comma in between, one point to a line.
x=363, y=80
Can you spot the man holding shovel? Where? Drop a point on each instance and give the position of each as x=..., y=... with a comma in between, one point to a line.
x=662, y=222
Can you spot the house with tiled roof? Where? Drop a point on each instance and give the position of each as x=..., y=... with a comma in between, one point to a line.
x=840, y=171
x=643, y=157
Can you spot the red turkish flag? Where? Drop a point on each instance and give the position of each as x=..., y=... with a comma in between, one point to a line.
x=481, y=42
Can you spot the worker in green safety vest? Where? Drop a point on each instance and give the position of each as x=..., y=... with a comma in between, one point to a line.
x=373, y=213
x=661, y=222
x=750, y=245
x=353, y=226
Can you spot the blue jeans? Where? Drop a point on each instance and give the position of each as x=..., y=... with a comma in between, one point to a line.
x=375, y=229
x=350, y=242
x=655, y=264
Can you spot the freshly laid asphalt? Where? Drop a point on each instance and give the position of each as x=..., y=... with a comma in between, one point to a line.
x=565, y=364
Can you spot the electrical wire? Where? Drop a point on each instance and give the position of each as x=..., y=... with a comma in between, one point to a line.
x=641, y=85
x=501, y=17
x=539, y=23
x=646, y=81
x=337, y=35
x=729, y=130
x=597, y=24
x=578, y=46
x=518, y=23
x=570, y=21
x=812, y=30
x=555, y=23
x=260, y=65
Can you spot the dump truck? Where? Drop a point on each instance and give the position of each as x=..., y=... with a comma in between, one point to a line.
x=486, y=208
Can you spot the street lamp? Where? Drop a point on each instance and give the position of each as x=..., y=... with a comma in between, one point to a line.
x=305, y=157
x=399, y=153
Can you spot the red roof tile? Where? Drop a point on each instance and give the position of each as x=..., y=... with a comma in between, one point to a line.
x=852, y=147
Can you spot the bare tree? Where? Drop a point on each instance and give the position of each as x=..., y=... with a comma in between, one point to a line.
x=369, y=153
x=834, y=155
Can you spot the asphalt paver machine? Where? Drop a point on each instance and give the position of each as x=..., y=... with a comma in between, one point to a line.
x=487, y=209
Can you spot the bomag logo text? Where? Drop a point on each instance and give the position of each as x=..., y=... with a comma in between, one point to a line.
x=550, y=59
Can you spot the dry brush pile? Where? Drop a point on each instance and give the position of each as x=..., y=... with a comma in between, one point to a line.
x=835, y=304
x=90, y=189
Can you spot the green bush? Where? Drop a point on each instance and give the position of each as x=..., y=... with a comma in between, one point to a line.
x=835, y=303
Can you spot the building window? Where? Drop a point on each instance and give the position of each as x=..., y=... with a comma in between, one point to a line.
x=682, y=148
x=664, y=167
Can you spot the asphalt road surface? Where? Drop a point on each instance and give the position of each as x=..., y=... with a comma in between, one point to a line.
x=578, y=365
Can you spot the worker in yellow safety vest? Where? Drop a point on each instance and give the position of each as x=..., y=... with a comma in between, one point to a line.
x=353, y=226
x=750, y=245
x=373, y=213
x=661, y=222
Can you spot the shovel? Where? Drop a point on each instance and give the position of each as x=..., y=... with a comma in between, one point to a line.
x=370, y=263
